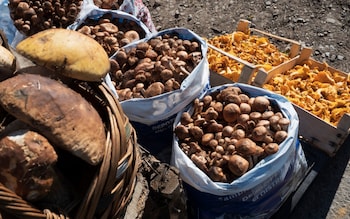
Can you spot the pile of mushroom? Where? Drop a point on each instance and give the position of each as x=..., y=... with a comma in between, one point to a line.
x=30, y=17
x=107, y=4
x=111, y=32
x=229, y=132
x=154, y=67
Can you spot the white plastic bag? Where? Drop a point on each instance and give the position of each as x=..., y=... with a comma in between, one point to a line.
x=153, y=117
x=259, y=192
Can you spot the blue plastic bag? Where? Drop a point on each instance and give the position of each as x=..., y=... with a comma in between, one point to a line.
x=6, y=23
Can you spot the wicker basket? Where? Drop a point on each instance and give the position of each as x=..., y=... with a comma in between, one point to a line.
x=113, y=182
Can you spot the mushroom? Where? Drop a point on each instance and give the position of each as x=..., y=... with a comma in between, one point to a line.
x=154, y=89
x=265, y=123
x=186, y=118
x=213, y=126
x=274, y=122
x=267, y=114
x=232, y=98
x=284, y=123
x=182, y=132
x=244, y=98
x=259, y=133
x=227, y=131
x=207, y=100
x=245, y=108
x=246, y=147
x=243, y=119
x=213, y=143
x=109, y=27
x=132, y=35
x=280, y=136
x=218, y=106
x=231, y=112
x=196, y=132
x=193, y=148
x=182, y=55
x=237, y=165
x=238, y=134
x=210, y=114
x=206, y=138
x=151, y=54
x=216, y=174
x=260, y=104
x=271, y=148
x=200, y=162
x=255, y=116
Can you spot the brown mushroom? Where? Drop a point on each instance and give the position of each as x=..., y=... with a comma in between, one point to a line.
x=200, y=162
x=206, y=138
x=216, y=174
x=284, y=123
x=186, y=118
x=237, y=165
x=246, y=147
x=227, y=131
x=210, y=114
x=154, y=89
x=244, y=98
x=196, y=132
x=238, y=134
x=280, y=136
x=193, y=148
x=267, y=114
x=274, y=123
x=231, y=112
x=232, y=98
x=260, y=104
x=245, y=108
x=109, y=27
x=243, y=119
x=213, y=143
x=255, y=116
x=213, y=126
x=271, y=148
x=132, y=35
x=182, y=132
x=259, y=133
x=207, y=100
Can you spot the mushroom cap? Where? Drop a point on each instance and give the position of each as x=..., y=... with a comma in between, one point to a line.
x=246, y=147
x=260, y=104
x=231, y=112
x=238, y=165
x=26, y=160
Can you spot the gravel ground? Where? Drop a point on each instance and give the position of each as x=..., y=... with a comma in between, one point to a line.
x=321, y=24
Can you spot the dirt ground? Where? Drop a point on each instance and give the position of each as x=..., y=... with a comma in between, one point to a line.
x=320, y=24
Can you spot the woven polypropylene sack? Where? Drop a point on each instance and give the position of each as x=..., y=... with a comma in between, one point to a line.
x=153, y=117
x=259, y=192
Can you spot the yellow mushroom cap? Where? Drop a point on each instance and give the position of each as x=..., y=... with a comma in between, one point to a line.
x=67, y=52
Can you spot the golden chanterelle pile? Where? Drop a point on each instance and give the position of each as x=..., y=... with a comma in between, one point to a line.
x=257, y=50
x=324, y=93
